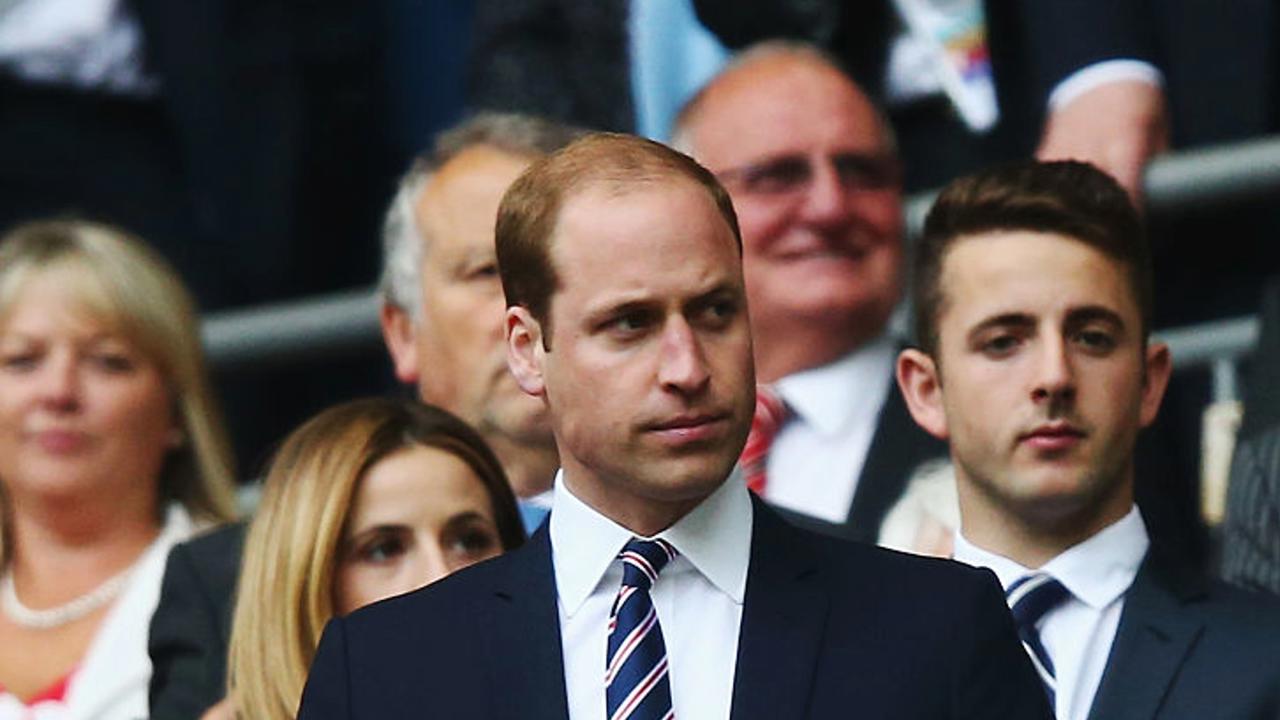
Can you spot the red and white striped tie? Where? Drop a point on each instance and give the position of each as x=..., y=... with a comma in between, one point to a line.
x=771, y=413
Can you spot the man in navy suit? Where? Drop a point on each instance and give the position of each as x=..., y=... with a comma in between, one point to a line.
x=1033, y=309
x=659, y=586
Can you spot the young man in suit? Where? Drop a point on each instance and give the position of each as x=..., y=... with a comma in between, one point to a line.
x=659, y=585
x=815, y=179
x=1033, y=309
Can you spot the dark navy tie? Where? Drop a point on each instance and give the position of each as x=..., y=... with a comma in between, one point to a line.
x=637, y=684
x=1030, y=598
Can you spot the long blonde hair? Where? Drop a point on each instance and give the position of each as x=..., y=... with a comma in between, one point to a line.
x=126, y=285
x=285, y=594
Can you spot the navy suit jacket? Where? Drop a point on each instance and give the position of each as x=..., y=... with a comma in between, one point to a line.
x=829, y=629
x=1191, y=648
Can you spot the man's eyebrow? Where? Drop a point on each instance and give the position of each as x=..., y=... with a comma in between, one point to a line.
x=1003, y=320
x=718, y=291
x=1094, y=313
x=615, y=309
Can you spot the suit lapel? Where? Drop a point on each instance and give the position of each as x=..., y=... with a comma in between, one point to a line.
x=897, y=448
x=1157, y=631
x=527, y=663
x=784, y=614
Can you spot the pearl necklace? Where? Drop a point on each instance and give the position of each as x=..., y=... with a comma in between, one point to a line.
x=61, y=615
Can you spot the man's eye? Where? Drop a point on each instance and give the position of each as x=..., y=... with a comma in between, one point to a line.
x=629, y=323
x=999, y=345
x=1096, y=340
x=488, y=270
x=779, y=176
x=869, y=172
x=719, y=312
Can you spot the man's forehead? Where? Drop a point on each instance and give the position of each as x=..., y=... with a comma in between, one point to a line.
x=783, y=104
x=1028, y=273
x=479, y=171
x=459, y=204
x=584, y=223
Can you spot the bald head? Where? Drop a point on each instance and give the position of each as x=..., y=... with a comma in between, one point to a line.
x=809, y=163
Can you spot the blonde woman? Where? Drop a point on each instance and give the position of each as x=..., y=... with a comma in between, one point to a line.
x=111, y=450
x=369, y=499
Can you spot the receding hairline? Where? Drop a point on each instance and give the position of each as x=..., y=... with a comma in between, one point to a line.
x=792, y=52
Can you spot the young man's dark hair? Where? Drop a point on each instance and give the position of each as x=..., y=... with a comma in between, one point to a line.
x=1068, y=198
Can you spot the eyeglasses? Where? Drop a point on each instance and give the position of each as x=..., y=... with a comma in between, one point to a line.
x=792, y=174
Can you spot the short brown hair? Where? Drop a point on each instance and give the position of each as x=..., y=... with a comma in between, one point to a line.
x=530, y=210
x=1068, y=198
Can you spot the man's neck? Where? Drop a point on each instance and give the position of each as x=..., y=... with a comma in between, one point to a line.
x=1033, y=539
x=644, y=518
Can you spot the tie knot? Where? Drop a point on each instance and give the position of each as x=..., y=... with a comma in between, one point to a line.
x=642, y=560
x=1032, y=596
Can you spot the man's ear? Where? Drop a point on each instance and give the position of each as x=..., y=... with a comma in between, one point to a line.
x=524, y=350
x=1159, y=365
x=922, y=389
x=399, y=334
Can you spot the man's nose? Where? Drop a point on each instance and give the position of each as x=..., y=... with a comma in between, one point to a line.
x=1055, y=374
x=826, y=198
x=683, y=366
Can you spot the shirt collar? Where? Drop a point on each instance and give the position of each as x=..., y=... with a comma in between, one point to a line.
x=541, y=500
x=714, y=538
x=831, y=397
x=1096, y=571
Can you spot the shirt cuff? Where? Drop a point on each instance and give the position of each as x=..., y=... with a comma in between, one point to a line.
x=1101, y=73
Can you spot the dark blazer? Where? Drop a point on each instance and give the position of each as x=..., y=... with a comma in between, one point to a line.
x=829, y=629
x=1191, y=648
x=898, y=447
x=192, y=624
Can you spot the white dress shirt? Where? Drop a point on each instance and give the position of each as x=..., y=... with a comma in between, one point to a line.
x=698, y=598
x=1078, y=634
x=815, y=461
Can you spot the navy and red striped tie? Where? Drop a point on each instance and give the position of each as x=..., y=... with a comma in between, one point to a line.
x=637, y=681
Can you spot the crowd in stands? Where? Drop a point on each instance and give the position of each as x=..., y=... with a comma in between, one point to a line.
x=647, y=405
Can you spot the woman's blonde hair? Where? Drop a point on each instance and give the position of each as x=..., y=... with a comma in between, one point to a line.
x=122, y=283
x=286, y=589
